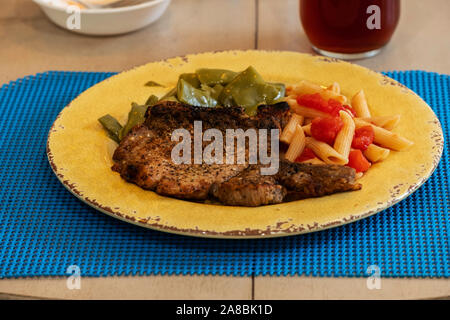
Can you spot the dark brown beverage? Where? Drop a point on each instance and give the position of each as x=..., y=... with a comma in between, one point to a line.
x=349, y=28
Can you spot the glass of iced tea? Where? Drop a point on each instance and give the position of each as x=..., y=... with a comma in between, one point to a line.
x=349, y=29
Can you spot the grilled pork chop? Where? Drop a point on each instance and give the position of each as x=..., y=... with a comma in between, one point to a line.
x=144, y=155
x=144, y=158
x=294, y=181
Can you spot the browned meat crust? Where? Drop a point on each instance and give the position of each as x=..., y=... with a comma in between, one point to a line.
x=249, y=188
x=305, y=180
x=144, y=158
x=294, y=181
x=144, y=155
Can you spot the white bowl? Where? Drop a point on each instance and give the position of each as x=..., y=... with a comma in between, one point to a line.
x=103, y=21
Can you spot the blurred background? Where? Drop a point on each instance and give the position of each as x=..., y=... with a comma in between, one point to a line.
x=30, y=43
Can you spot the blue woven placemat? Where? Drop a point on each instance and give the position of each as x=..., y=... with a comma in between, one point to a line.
x=44, y=229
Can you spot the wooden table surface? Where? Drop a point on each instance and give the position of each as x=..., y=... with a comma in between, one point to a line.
x=29, y=43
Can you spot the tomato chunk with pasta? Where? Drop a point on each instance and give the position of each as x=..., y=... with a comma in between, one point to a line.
x=335, y=107
x=315, y=101
x=363, y=138
x=357, y=161
x=326, y=129
x=307, y=154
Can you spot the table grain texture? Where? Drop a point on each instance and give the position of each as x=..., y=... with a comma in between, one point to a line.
x=29, y=43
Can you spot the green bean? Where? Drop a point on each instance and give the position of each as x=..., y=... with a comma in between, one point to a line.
x=171, y=93
x=112, y=127
x=190, y=78
x=136, y=116
x=212, y=77
x=281, y=91
x=211, y=87
x=214, y=92
x=195, y=97
x=152, y=100
x=248, y=90
x=153, y=84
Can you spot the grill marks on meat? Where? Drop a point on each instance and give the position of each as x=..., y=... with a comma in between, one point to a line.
x=144, y=158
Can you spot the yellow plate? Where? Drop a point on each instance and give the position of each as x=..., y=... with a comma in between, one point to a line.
x=80, y=152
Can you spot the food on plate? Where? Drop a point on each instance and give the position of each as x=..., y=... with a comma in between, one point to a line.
x=329, y=140
x=385, y=138
x=374, y=153
x=144, y=158
x=212, y=87
x=339, y=132
x=294, y=181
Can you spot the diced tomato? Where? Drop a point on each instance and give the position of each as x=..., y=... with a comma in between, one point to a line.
x=315, y=101
x=363, y=138
x=306, y=155
x=334, y=107
x=352, y=111
x=326, y=129
x=357, y=161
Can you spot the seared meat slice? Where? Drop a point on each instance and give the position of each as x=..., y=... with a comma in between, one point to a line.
x=294, y=181
x=194, y=181
x=249, y=188
x=144, y=155
x=169, y=115
x=144, y=158
x=305, y=180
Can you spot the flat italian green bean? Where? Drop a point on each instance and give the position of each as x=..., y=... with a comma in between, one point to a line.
x=210, y=87
x=214, y=92
x=152, y=100
x=195, y=97
x=153, y=84
x=212, y=77
x=136, y=116
x=190, y=78
x=112, y=127
x=248, y=90
x=169, y=95
x=281, y=91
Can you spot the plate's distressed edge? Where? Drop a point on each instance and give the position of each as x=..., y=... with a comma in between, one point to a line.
x=276, y=230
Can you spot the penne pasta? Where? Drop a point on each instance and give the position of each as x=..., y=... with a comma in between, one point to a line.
x=339, y=153
x=289, y=130
x=307, y=129
x=359, y=104
x=304, y=111
x=297, y=145
x=290, y=91
x=384, y=137
x=325, y=152
x=306, y=87
x=385, y=122
x=314, y=160
x=344, y=138
x=375, y=153
x=335, y=88
x=292, y=96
